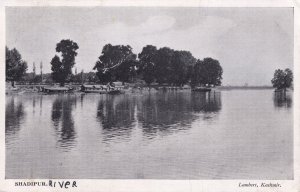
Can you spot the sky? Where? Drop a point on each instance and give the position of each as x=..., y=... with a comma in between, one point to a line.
x=250, y=43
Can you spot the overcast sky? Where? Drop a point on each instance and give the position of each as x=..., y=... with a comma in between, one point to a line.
x=250, y=43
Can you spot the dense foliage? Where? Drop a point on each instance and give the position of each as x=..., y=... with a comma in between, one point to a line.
x=116, y=63
x=163, y=66
x=146, y=66
x=282, y=79
x=207, y=72
x=79, y=78
x=62, y=68
x=15, y=66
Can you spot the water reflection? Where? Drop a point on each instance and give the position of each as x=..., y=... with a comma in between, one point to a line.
x=14, y=115
x=172, y=112
x=41, y=104
x=81, y=100
x=116, y=114
x=164, y=113
x=176, y=136
x=206, y=102
x=282, y=99
x=62, y=119
x=154, y=112
x=33, y=104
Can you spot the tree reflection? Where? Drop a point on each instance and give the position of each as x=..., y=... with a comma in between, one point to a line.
x=282, y=99
x=14, y=115
x=81, y=100
x=63, y=120
x=206, y=102
x=164, y=112
x=116, y=114
x=154, y=113
x=33, y=104
x=41, y=104
x=174, y=111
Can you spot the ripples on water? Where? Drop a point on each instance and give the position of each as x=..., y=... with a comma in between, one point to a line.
x=173, y=135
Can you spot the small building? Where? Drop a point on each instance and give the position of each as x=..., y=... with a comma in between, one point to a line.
x=117, y=85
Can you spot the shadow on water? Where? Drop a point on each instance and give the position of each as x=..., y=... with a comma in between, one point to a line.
x=81, y=100
x=14, y=115
x=206, y=102
x=154, y=113
x=33, y=104
x=282, y=100
x=37, y=102
x=41, y=104
x=116, y=114
x=171, y=112
x=62, y=119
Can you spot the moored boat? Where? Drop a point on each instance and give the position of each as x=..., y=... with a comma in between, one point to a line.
x=201, y=89
x=103, y=89
x=94, y=89
x=56, y=89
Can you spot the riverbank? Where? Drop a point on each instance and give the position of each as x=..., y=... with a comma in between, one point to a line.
x=72, y=89
x=76, y=88
x=244, y=87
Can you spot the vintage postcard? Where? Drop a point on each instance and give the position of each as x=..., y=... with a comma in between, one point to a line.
x=150, y=96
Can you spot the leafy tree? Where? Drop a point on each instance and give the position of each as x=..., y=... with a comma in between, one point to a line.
x=47, y=78
x=282, y=79
x=15, y=66
x=29, y=77
x=197, y=74
x=58, y=74
x=126, y=71
x=37, y=79
x=207, y=72
x=149, y=73
x=214, y=71
x=147, y=63
x=62, y=68
x=76, y=78
x=91, y=77
x=115, y=63
x=182, y=61
x=163, y=67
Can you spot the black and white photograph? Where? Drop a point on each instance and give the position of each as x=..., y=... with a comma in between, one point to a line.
x=149, y=93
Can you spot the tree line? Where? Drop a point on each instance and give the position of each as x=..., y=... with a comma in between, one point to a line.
x=119, y=63
x=153, y=65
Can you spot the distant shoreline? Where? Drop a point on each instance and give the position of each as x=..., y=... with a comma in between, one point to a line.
x=244, y=87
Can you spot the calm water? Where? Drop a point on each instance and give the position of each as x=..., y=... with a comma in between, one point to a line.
x=238, y=134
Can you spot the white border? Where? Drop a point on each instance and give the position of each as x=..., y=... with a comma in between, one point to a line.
x=158, y=185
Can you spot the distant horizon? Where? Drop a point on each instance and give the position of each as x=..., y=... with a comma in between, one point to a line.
x=250, y=43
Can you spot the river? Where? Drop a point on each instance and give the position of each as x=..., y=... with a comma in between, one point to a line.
x=231, y=134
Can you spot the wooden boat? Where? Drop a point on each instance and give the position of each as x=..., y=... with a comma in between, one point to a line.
x=56, y=89
x=201, y=89
x=102, y=89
